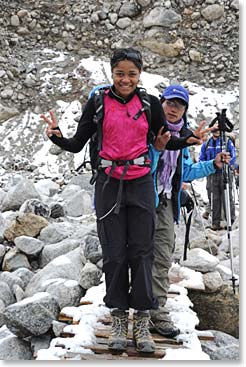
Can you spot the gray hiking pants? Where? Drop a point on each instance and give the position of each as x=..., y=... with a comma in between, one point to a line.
x=164, y=244
x=216, y=195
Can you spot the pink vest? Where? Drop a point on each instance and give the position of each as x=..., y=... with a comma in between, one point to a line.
x=123, y=137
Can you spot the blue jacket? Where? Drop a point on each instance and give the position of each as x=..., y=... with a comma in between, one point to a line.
x=186, y=171
x=212, y=147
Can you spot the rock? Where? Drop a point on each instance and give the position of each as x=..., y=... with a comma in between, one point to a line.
x=161, y=17
x=67, y=266
x=92, y=249
x=200, y=260
x=218, y=310
x=47, y=187
x=35, y=206
x=2, y=321
x=213, y=12
x=212, y=281
x=78, y=204
x=58, y=327
x=18, y=292
x=11, y=279
x=3, y=250
x=25, y=275
x=163, y=48
x=25, y=225
x=19, y=316
x=128, y=10
x=90, y=276
x=40, y=342
x=54, y=250
x=56, y=232
x=6, y=112
x=6, y=294
x=29, y=245
x=57, y=211
x=223, y=347
x=14, y=260
x=66, y=292
x=18, y=194
x=14, y=349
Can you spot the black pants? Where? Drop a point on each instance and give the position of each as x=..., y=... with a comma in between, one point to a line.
x=127, y=241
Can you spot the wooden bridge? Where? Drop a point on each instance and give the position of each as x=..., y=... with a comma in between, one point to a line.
x=100, y=348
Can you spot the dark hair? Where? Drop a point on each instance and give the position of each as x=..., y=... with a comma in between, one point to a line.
x=126, y=54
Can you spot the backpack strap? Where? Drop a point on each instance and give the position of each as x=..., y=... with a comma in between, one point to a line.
x=145, y=100
x=207, y=144
x=98, y=97
x=99, y=115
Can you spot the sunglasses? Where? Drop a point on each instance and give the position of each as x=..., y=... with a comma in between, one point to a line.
x=125, y=54
x=174, y=103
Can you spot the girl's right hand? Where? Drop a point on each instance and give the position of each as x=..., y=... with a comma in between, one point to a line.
x=162, y=139
x=52, y=125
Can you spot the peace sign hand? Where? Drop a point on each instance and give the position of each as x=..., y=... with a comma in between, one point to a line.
x=52, y=128
x=200, y=134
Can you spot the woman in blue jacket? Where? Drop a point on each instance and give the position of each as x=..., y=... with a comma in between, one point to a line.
x=174, y=168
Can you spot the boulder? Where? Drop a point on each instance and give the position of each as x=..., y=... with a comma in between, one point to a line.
x=218, y=310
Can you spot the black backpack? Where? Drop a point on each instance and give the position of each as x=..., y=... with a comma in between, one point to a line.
x=95, y=143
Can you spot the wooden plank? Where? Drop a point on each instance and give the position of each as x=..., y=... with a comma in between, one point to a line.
x=60, y=345
x=63, y=317
x=104, y=341
x=205, y=337
x=106, y=356
x=130, y=351
x=84, y=303
x=162, y=339
x=66, y=335
x=104, y=333
x=67, y=319
x=131, y=343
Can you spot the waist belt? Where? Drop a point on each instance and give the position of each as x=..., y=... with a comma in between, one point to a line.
x=104, y=163
x=140, y=161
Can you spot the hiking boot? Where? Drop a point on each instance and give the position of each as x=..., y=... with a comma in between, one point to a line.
x=205, y=215
x=164, y=327
x=141, y=335
x=118, y=334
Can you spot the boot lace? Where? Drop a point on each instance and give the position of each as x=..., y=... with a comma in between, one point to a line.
x=141, y=328
x=119, y=326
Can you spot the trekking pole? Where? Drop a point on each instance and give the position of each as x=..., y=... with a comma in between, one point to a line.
x=226, y=125
x=212, y=198
x=201, y=219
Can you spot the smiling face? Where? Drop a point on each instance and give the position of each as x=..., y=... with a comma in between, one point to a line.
x=125, y=77
x=174, y=109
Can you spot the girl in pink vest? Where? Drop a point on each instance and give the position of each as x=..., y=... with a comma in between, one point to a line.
x=124, y=194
